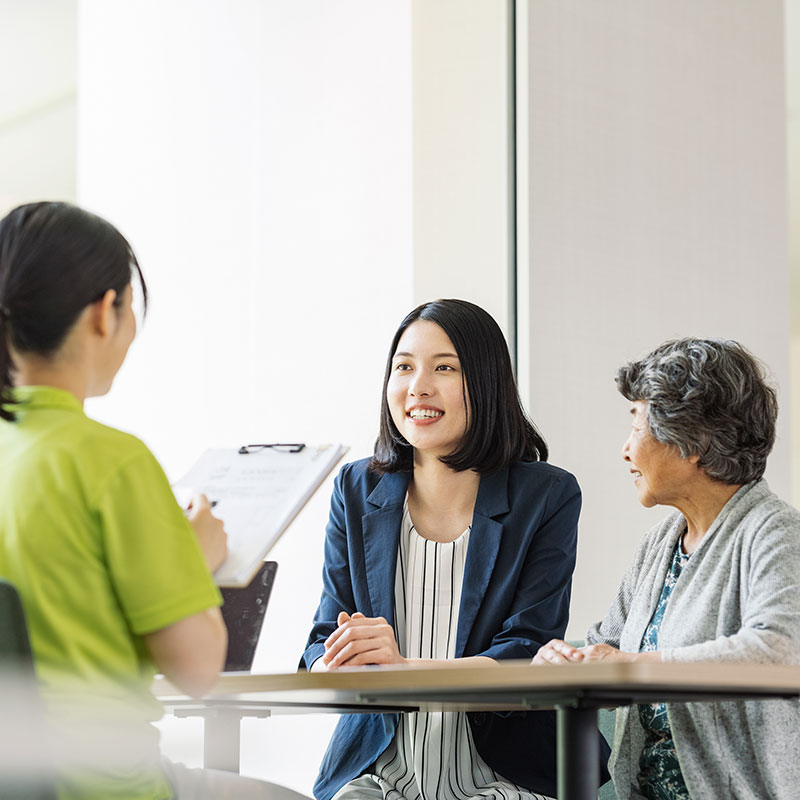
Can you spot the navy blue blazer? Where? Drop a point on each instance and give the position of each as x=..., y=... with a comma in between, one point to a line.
x=515, y=597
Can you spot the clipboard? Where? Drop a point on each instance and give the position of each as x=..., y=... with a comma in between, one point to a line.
x=257, y=490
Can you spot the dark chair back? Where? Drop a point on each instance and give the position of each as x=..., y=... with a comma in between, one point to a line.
x=15, y=646
x=25, y=772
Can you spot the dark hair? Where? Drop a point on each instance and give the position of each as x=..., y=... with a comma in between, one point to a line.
x=55, y=260
x=499, y=430
x=709, y=398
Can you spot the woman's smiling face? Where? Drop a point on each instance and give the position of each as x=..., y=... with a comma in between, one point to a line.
x=426, y=392
x=660, y=474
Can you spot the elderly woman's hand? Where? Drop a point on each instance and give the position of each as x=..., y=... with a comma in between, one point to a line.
x=557, y=651
x=594, y=653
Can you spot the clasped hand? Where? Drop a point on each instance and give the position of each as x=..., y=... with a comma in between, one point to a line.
x=361, y=640
x=557, y=651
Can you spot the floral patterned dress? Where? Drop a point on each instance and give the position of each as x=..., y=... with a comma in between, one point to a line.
x=660, y=776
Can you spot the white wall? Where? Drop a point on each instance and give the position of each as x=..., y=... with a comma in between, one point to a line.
x=657, y=208
x=258, y=156
x=38, y=62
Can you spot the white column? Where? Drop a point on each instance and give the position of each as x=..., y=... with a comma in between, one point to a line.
x=38, y=61
x=258, y=156
x=463, y=156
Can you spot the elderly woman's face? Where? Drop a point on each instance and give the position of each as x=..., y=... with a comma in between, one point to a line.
x=661, y=476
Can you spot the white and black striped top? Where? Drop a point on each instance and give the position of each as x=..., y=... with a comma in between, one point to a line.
x=432, y=756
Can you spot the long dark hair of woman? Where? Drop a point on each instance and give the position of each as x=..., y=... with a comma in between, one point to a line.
x=499, y=431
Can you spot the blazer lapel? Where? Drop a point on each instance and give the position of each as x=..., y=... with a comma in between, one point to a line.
x=381, y=539
x=484, y=544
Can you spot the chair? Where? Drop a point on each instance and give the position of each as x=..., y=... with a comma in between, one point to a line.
x=25, y=773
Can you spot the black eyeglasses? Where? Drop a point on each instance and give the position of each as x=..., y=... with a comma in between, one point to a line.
x=246, y=449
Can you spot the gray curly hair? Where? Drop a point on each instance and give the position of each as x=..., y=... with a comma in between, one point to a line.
x=709, y=398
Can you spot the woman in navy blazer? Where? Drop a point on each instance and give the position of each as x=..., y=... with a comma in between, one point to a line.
x=456, y=457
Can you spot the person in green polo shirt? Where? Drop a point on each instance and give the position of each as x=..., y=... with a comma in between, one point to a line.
x=114, y=577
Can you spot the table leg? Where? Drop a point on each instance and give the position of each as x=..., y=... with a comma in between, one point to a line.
x=578, y=754
x=221, y=740
x=222, y=732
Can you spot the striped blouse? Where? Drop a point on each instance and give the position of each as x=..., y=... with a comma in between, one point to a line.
x=432, y=756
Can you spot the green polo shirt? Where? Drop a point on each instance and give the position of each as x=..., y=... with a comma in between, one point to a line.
x=101, y=553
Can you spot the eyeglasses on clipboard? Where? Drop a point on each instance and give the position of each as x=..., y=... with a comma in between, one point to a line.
x=278, y=447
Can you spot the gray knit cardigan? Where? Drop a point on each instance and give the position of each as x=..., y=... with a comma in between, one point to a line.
x=738, y=599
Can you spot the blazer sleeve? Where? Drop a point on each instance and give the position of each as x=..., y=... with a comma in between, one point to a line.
x=337, y=590
x=540, y=607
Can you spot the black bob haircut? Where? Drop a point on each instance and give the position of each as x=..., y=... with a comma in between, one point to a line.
x=55, y=260
x=499, y=431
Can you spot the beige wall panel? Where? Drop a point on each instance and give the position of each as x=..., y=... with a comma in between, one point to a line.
x=656, y=201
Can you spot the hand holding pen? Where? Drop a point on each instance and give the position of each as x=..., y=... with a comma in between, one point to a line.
x=210, y=531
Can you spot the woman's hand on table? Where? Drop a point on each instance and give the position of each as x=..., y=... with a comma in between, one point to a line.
x=557, y=651
x=359, y=641
x=595, y=653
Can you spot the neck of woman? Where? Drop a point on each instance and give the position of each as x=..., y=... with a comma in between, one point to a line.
x=60, y=374
x=435, y=486
x=702, y=507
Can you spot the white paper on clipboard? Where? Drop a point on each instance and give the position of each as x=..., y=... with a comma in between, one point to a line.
x=257, y=495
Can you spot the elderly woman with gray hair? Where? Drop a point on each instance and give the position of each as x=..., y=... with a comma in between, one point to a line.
x=717, y=580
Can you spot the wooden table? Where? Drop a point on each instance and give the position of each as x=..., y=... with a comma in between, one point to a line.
x=575, y=690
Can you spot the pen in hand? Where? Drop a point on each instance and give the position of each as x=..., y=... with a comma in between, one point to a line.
x=211, y=504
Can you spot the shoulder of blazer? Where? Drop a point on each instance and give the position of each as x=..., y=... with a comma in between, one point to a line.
x=536, y=482
x=522, y=482
x=539, y=475
x=361, y=484
x=538, y=470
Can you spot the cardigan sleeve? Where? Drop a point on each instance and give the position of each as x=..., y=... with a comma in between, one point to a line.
x=609, y=629
x=540, y=607
x=337, y=592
